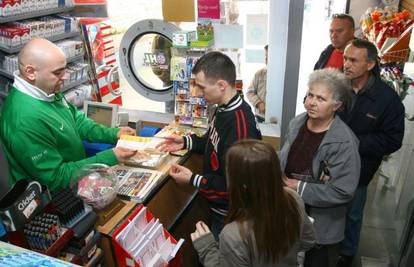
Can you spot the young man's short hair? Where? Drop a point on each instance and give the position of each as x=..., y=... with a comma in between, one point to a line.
x=216, y=66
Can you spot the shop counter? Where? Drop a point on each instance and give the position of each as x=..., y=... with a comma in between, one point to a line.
x=178, y=207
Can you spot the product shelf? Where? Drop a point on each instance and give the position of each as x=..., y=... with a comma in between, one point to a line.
x=35, y=14
x=74, y=84
x=68, y=60
x=15, y=49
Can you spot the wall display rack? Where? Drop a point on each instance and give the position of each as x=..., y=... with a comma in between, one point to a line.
x=9, y=49
x=16, y=49
x=35, y=14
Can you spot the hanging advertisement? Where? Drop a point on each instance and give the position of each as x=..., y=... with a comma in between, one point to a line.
x=208, y=9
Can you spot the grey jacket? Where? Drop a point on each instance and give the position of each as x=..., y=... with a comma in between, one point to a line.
x=326, y=201
x=232, y=251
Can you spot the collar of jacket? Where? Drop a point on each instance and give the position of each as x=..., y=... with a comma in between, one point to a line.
x=370, y=88
x=234, y=103
x=335, y=133
x=26, y=88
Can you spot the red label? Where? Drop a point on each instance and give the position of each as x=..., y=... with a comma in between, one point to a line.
x=214, y=161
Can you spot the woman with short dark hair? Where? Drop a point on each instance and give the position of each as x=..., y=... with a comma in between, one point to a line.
x=267, y=224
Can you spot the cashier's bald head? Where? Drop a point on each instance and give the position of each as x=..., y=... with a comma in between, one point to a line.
x=43, y=64
x=38, y=53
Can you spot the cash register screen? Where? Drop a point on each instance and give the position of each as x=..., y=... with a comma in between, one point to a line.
x=102, y=113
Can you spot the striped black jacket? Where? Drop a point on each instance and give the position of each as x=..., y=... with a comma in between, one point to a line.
x=231, y=122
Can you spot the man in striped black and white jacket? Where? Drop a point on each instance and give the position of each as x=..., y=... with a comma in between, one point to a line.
x=233, y=120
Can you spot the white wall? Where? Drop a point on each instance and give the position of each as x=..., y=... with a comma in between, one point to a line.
x=278, y=35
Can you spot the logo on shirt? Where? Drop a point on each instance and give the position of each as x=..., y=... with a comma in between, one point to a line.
x=38, y=155
x=369, y=115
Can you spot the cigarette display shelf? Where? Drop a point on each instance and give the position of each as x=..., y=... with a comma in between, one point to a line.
x=16, y=49
x=35, y=14
x=54, y=38
x=68, y=60
x=74, y=84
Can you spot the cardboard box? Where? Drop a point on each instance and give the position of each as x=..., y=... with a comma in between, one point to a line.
x=7, y=7
x=24, y=34
x=25, y=6
x=11, y=36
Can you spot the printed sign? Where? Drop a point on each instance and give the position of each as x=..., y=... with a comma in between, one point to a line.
x=209, y=9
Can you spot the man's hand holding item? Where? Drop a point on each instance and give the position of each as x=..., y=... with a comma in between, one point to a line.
x=171, y=143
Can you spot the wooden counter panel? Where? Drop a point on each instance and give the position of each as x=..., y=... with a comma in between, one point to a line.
x=197, y=211
x=178, y=208
x=172, y=199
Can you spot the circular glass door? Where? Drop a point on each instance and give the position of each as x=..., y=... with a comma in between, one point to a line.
x=145, y=55
x=150, y=61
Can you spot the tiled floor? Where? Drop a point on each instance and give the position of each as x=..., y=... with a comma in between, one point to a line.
x=378, y=245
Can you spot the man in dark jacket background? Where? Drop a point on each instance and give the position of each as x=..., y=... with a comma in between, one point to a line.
x=341, y=32
x=376, y=115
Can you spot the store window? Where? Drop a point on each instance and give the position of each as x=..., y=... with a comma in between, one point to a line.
x=122, y=14
x=316, y=17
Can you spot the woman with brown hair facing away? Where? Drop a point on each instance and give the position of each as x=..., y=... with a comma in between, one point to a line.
x=267, y=224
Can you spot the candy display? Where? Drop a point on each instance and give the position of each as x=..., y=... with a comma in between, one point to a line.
x=390, y=31
x=97, y=185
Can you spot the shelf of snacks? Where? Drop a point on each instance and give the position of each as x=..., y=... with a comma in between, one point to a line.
x=390, y=31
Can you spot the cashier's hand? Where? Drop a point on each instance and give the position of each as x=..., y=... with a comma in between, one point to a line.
x=181, y=175
x=201, y=230
x=123, y=154
x=291, y=183
x=126, y=131
x=171, y=143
